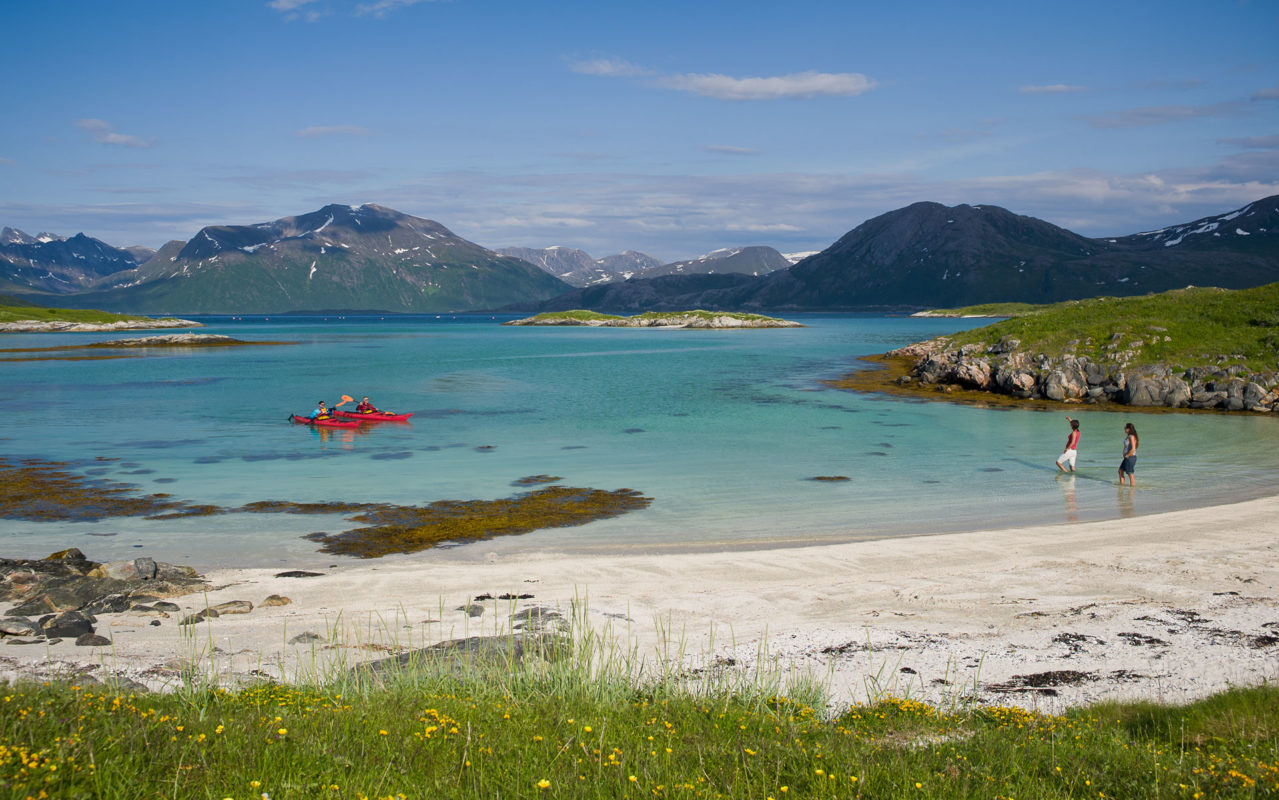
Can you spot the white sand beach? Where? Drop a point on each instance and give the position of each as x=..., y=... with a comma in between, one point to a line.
x=1167, y=607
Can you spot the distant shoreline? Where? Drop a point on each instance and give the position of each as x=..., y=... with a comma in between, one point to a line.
x=67, y=326
x=716, y=320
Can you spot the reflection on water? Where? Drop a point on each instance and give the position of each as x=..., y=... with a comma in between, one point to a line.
x=1126, y=508
x=344, y=437
x=1067, y=483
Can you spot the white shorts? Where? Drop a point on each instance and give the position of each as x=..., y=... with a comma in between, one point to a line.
x=1067, y=459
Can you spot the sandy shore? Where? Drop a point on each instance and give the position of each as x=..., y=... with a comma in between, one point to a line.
x=1169, y=607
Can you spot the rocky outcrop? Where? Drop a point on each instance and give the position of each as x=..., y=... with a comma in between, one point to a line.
x=1004, y=368
x=173, y=340
x=59, y=597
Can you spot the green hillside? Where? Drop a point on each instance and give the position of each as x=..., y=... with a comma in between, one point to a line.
x=1179, y=328
x=14, y=313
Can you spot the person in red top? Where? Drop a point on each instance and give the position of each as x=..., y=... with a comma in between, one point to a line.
x=1067, y=458
x=365, y=407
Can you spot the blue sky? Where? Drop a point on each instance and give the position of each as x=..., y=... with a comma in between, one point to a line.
x=673, y=128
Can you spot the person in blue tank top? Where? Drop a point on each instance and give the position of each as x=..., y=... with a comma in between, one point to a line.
x=1129, y=465
x=320, y=412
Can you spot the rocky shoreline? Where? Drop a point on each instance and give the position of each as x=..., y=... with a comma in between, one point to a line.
x=1003, y=368
x=59, y=597
x=65, y=326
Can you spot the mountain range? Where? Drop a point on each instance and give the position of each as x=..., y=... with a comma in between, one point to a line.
x=341, y=257
x=928, y=255
x=374, y=258
x=741, y=260
x=51, y=263
x=577, y=268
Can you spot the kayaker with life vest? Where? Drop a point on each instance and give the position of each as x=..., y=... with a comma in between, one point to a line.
x=365, y=407
x=320, y=412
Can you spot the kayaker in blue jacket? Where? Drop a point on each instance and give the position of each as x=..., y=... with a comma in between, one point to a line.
x=320, y=412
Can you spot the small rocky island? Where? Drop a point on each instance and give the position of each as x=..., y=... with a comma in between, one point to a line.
x=176, y=340
x=124, y=348
x=1196, y=348
x=657, y=319
x=39, y=319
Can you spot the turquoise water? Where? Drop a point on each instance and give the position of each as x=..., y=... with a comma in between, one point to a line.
x=723, y=429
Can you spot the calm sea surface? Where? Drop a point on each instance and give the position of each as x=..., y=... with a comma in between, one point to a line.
x=723, y=429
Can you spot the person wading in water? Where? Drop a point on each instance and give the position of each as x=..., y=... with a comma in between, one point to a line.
x=1067, y=458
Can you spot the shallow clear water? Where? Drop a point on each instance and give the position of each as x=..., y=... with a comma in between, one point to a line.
x=723, y=429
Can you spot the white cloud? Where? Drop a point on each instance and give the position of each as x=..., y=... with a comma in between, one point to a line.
x=1172, y=85
x=299, y=9
x=296, y=9
x=103, y=132
x=313, y=182
x=731, y=150
x=1271, y=93
x=381, y=8
x=8, y=162
x=676, y=216
x=609, y=68
x=285, y=6
x=1055, y=88
x=726, y=87
x=318, y=131
x=1161, y=115
x=776, y=227
x=1255, y=142
x=799, y=84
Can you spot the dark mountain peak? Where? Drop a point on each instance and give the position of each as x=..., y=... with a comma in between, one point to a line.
x=571, y=265
x=629, y=259
x=140, y=253
x=15, y=236
x=361, y=219
x=920, y=232
x=81, y=240
x=752, y=260
x=339, y=256
x=1244, y=228
x=366, y=218
x=50, y=263
x=552, y=259
x=930, y=255
x=334, y=224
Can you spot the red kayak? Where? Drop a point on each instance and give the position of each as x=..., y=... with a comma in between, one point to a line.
x=373, y=416
x=326, y=422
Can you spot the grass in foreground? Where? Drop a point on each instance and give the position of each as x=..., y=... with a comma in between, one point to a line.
x=1180, y=328
x=510, y=734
